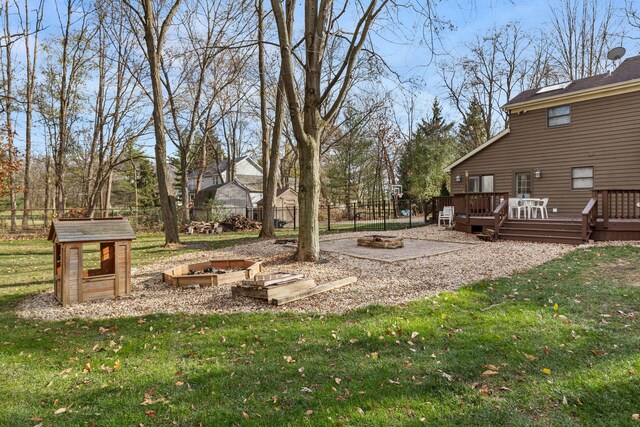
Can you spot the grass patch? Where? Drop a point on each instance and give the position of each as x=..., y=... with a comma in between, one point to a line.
x=418, y=363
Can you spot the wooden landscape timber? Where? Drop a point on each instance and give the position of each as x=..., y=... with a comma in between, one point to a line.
x=381, y=242
x=314, y=290
x=194, y=274
x=276, y=290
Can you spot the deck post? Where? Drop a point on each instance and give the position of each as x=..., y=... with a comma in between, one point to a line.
x=605, y=208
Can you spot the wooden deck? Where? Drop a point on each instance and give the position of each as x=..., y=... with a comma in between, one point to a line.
x=609, y=215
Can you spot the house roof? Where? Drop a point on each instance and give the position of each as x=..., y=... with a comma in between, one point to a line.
x=477, y=150
x=252, y=182
x=90, y=230
x=224, y=165
x=623, y=78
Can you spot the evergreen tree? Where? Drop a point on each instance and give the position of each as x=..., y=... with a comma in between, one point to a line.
x=426, y=155
x=471, y=132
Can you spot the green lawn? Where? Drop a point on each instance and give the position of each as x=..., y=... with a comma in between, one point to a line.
x=495, y=353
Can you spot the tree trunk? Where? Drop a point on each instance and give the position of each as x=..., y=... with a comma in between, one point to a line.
x=31, y=63
x=309, y=201
x=269, y=195
x=107, y=195
x=184, y=187
x=167, y=196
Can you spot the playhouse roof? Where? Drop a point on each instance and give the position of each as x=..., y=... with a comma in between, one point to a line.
x=66, y=230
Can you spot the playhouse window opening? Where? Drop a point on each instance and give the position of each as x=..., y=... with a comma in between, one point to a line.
x=98, y=258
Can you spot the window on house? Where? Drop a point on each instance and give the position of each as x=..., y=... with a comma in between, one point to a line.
x=481, y=183
x=558, y=116
x=487, y=183
x=523, y=184
x=474, y=184
x=582, y=178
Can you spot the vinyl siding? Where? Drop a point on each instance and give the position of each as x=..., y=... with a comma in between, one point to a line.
x=604, y=133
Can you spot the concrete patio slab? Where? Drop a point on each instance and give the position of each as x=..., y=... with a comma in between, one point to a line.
x=413, y=248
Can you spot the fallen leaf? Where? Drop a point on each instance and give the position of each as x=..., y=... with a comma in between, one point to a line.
x=179, y=383
x=635, y=417
x=116, y=366
x=245, y=415
x=488, y=372
x=150, y=413
x=60, y=411
x=87, y=368
x=360, y=411
x=338, y=380
x=530, y=357
x=374, y=355
x=492, y=367
x=37, y=419
x=546, y=371
x=66, y=371
x=504, y=388
x=308, y=412
x=414, y=334
x=289, y=359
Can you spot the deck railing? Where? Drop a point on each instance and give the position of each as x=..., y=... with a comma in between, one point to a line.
x=589, y=217
x=617, y=204
x=434, y=205
x=478, y=204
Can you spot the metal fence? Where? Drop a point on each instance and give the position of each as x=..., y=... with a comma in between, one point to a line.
x=357, y=216
x=373, y=215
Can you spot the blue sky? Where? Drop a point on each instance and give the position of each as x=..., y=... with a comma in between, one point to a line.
x=470, y=18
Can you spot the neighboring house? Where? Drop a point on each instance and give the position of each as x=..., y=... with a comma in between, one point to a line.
x=575, y=143
x=562, y=142
x=232, y=194
x=248, y=173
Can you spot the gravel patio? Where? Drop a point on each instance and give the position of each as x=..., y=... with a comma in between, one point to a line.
x=379, y=282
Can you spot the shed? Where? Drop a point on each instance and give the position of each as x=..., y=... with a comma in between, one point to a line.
x=232, y=194
x=111, y=276
x=286, y=204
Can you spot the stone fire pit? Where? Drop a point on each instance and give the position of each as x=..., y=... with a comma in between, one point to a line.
x=381, y=242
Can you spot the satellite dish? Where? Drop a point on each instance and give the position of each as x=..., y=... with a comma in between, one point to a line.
x=616, y=53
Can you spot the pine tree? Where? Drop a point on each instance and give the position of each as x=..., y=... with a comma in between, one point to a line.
x=426, y=155
x=471, y=132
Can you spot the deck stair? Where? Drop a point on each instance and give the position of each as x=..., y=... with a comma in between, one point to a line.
x=553, y=230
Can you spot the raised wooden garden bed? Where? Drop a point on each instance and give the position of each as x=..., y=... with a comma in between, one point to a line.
x=382, y=242
x=212, y=272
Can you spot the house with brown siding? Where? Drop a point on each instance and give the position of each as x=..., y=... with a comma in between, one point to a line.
x=566, y=142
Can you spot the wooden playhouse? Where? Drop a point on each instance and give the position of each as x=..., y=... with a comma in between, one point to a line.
x=107, y=277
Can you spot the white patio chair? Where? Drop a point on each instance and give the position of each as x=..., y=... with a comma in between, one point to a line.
x=446, y=214
x=540, y=206
x=515, y=205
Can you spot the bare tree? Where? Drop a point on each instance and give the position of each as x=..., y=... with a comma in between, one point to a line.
x=206, y=62
x=581, y=33
x=118, y=121
x=71, y=63
x=319, y=105
x=9, y=107
x=497, y=64
x=155, y=34
x=31, y=58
